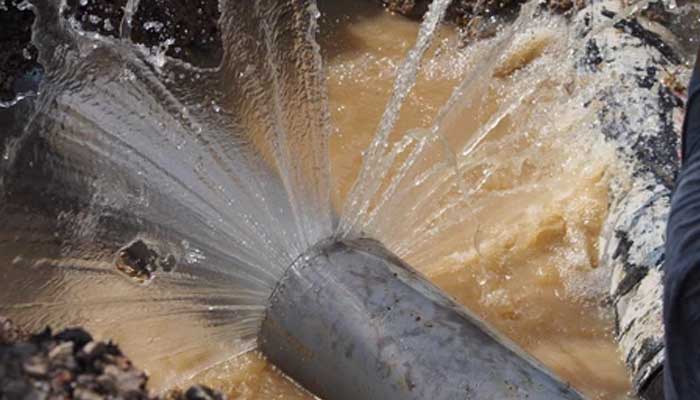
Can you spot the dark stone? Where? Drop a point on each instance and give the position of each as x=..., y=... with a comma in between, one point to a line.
x=19, y=68
x=139, y=260
x=647, y=81
x=608, y=14
x=191, y=26
x=592, y=57
x=78, y=336
x=634, y=272
x=199, y=392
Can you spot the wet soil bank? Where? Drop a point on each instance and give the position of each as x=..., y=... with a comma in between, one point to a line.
x=70, y=364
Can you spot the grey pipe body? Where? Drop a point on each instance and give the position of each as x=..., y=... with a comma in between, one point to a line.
x=350, y=320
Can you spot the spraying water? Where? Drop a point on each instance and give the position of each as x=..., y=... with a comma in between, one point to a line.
x=222, y=170
x=223, y=175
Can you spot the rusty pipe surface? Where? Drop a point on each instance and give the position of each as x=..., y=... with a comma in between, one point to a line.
x=350, y=320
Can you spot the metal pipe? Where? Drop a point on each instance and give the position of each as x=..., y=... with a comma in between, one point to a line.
x=349, y=320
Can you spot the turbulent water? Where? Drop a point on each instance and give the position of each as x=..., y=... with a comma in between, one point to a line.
x=475, y=166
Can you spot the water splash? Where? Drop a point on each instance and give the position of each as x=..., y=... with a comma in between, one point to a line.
x=226, y=170
x=373, y=172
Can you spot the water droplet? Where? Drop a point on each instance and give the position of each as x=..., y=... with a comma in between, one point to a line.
x=24, y=5
x=153, y=26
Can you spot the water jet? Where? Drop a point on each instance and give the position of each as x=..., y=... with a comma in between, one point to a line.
x=141, y=193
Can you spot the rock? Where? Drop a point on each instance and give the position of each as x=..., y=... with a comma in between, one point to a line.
x=9, y=333
x=47, y=365
x=77, y=336
x=140, y=261
x=36, y=366
x=198, y=392
x=71, y=365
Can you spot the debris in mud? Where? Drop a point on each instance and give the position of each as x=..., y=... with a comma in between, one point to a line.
x=18, y=57
x=140, y=261
x=71, y=365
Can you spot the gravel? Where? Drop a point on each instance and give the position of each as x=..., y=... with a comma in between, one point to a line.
x=70, y=364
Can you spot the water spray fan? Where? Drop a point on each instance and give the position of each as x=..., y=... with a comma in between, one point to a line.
x=187, y=212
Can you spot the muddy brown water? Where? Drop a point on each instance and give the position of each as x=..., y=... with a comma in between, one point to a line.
x=532, y=270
